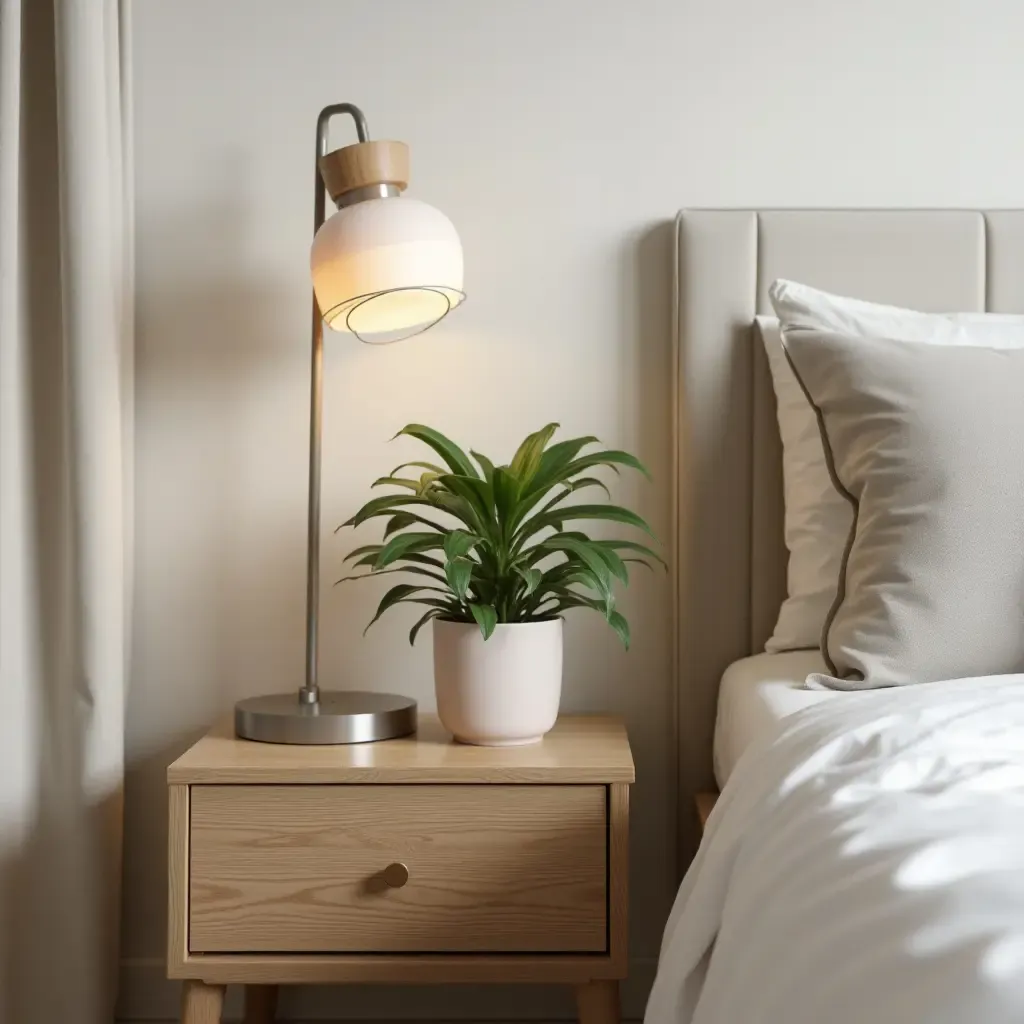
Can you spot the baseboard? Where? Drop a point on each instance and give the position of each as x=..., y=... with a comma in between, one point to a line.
x=147, y=996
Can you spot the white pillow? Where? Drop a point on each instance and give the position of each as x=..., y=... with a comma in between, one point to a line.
x=818, y=518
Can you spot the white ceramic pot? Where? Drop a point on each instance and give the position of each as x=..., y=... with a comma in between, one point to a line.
x=502, y=691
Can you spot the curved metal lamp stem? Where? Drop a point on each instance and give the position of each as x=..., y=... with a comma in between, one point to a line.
x=330, y=716
x=310, y=691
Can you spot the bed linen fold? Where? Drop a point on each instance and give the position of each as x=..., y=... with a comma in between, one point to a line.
x=867, y=865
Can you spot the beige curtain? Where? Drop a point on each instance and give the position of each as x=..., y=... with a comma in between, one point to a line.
x=65, y=458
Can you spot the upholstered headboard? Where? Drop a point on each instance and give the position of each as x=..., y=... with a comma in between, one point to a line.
x=729, y=552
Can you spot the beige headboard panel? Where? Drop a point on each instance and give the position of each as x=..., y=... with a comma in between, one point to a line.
x=730, y=557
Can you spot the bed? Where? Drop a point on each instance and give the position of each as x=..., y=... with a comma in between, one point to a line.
x=755, y=699
x=730, y=559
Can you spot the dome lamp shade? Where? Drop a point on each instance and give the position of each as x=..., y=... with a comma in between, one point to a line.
x=384, y=266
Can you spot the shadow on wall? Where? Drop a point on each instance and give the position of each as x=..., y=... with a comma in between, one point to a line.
x=656, y=367
x=648, y=397
x=221, y=385
x=222, y=377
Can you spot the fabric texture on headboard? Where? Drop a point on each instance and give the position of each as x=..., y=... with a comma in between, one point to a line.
x=730, y=559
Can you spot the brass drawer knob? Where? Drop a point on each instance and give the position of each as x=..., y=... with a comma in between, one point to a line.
x=396, y=875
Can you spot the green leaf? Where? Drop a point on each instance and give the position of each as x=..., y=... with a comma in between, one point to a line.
x=562, y=575
x=587, y=481
x=402, y=543
x=548, y=505
x=526, y=460
x=588, y=552
x=383, y=505
x=611, y=458
x=629, y=545
x=430, y=466
x=485, y=464
x=415, y=569
x=427, y=480
x=537, y=553
x=571, y=486
x=506, y=493
x=458, y=572
x=554, y=462
x=397, y=594
x=422, y=559
x=615, y=619
x=455, y=458
x=399, y=521
x=615, y=564
x=605, y=601
x=396, y=481
x=458, y=543
x=553, y=470
x=456, y=506
x=532, y=578
x=557, y=516
x=370, y=559
x=486, y=618
x=477, y=494
x=566, y=598
x=618, y=622
x=421, y=622
x=409, y=556
x=366, y=549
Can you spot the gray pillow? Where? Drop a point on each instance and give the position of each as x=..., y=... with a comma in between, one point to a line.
x=927, y=444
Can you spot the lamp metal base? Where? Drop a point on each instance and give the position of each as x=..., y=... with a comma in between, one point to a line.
x=340, y=716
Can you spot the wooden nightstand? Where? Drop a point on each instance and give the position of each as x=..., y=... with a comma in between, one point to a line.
x=413, y=860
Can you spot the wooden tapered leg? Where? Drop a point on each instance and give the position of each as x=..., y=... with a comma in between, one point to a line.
x=201, y=1003
x=597, y=1002
x=260, y=1004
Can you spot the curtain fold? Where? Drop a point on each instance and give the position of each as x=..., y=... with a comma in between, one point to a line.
x=65, y=498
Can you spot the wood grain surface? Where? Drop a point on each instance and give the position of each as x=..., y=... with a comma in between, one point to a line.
x=580, y=749
x=396, y=968
x=177, y=874
x=201, y=1003
x=365, y=163
x=491, y=868
x=618, y=874
x=598, y=1002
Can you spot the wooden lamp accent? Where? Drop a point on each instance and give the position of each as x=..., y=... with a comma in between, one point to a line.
x=365, y=164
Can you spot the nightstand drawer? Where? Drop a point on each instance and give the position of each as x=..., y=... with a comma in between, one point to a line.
x=490, y=868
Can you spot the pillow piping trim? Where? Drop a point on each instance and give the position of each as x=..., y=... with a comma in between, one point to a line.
x=843, y=492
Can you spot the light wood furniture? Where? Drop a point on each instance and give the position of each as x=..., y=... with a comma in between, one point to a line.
x=411, y=860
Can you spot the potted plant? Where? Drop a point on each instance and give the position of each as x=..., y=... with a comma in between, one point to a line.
x=496, y=566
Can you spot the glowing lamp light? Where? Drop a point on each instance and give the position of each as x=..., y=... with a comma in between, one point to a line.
x=385, y=269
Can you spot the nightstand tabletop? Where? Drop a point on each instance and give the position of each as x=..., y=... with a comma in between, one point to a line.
x=579, y=749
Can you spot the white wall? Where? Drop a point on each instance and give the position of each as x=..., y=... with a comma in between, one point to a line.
x=559, y=136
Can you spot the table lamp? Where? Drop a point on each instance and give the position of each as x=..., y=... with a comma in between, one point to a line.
x=384, y=267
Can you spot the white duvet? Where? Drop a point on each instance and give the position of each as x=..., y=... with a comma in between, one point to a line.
x=865, y=868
